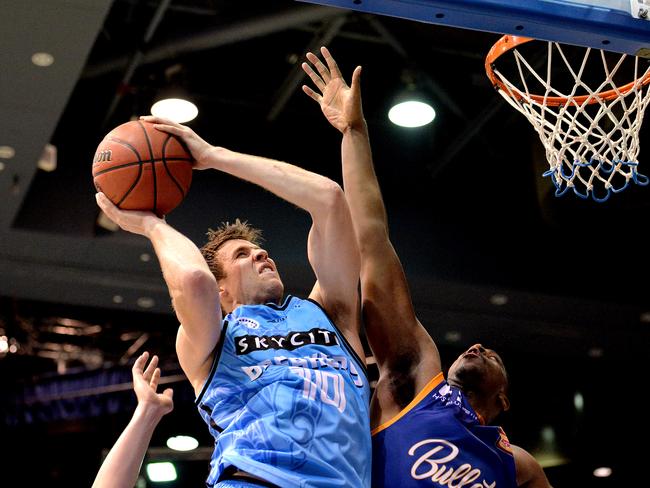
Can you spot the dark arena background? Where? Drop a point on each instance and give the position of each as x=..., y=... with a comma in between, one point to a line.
x=558, y=286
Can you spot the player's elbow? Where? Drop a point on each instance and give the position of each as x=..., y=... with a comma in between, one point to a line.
x=196, y=282
x=332, y=198
x=372, y=236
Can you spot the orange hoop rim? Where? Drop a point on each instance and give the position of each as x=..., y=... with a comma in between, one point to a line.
x=508, y=42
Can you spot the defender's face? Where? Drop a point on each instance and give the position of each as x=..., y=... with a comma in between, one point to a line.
x=251, y=276
x=479, y=369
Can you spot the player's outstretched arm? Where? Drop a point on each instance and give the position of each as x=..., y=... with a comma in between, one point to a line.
x=395, y=335
x=121, y=467
x=192, y=286
x=332, y=251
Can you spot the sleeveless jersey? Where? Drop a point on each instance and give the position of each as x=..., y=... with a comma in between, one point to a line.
x=287, y=399
x=438, y=441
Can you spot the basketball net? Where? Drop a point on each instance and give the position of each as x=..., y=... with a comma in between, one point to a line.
x=590, y=131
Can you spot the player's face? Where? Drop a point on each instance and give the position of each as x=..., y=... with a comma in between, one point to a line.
x=251, y=276
x=479, y=369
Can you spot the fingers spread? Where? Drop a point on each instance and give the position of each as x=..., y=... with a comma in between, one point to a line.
x=312, y=93
x=155, y=377
x=148, y=373
x=318, y=81
x=140, y=362
x=331, y=64
x=322, y=69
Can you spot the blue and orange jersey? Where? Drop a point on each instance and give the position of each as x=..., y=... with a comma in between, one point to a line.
x=287, y=399
x=439, y=441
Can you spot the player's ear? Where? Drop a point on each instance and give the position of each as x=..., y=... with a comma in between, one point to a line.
x=504, y=401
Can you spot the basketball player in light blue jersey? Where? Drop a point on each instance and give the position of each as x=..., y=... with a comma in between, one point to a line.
x=279, y=381
x=427, y=432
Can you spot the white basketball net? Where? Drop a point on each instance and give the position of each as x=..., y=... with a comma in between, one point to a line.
x=591, y=144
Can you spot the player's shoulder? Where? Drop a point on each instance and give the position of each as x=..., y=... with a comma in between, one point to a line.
x=529, y=472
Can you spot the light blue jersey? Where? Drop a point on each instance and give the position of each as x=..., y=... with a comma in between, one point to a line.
x=287, y=399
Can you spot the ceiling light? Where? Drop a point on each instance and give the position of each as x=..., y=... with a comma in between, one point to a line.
x=595, y=352
x=145, y=302
x=602, y=472
x=176, y=109
x=48, y=159
x=118, y=298
x=161, y=472
x=498, y=299
x=645, y=317
x=453, y=336
x=578, y=402
x=182, y=443
x=7, y=152
x=145, y=257
x=411, y=113
x=2, y=166
x=42, y=59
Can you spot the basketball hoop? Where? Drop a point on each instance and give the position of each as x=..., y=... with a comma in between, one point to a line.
x=589, y=127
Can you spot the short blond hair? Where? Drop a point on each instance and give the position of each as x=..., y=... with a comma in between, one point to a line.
x=219, y=236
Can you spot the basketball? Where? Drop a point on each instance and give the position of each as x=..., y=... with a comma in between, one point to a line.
x=140, y=168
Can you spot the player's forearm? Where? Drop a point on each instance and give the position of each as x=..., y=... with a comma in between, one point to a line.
x=361, y=185
x=121, y=467
x=178, y=255
x=307, y=190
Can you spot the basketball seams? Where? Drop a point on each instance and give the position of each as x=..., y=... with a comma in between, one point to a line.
x=168, y=183
x=153, y=167
x=137, y=153
x=133, y=163
x=169, y=173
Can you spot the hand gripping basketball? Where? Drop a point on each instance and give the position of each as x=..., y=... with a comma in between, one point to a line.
x=141, y=168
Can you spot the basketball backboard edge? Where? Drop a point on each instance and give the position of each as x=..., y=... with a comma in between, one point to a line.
x=614, y=25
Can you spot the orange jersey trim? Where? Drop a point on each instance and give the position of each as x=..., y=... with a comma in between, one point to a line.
x=435, y=381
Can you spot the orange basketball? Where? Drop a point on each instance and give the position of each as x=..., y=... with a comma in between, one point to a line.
x=140, y=168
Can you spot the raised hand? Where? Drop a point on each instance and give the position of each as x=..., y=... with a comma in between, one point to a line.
x=340, y=103
x=195, y=144
x=145, y=384
x=135, y=221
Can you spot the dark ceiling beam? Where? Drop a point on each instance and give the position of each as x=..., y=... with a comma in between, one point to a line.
x=325, y=35
x=136, y=59
x=221, y=36
x=444, y=96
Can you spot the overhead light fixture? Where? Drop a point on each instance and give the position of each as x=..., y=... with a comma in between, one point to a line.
x=603, y=472
x=411, y=113
x=145, y=302
x=578, y=402
x=161, y=472
x=173, y=101
x=176, y=109
x=498, y=299
x=7, y=152
x=548, y=452
x=182, y=443
x=411, y=108
x=42, y=59
x=48, y=159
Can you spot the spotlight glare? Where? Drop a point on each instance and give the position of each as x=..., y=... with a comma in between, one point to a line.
x=602, y=472
x=182, y=443
x=175, y=109
x=161, y=472
x=412, y=114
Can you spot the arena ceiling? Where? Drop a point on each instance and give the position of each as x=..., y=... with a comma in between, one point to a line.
x=557, y=284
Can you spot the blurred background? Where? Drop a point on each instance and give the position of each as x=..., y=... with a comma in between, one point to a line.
x=556, y=285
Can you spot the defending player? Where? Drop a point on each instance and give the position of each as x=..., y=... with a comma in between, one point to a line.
x=282, y=388
x=426, y=431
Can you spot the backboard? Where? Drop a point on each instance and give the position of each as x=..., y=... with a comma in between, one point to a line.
x=615, y=25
